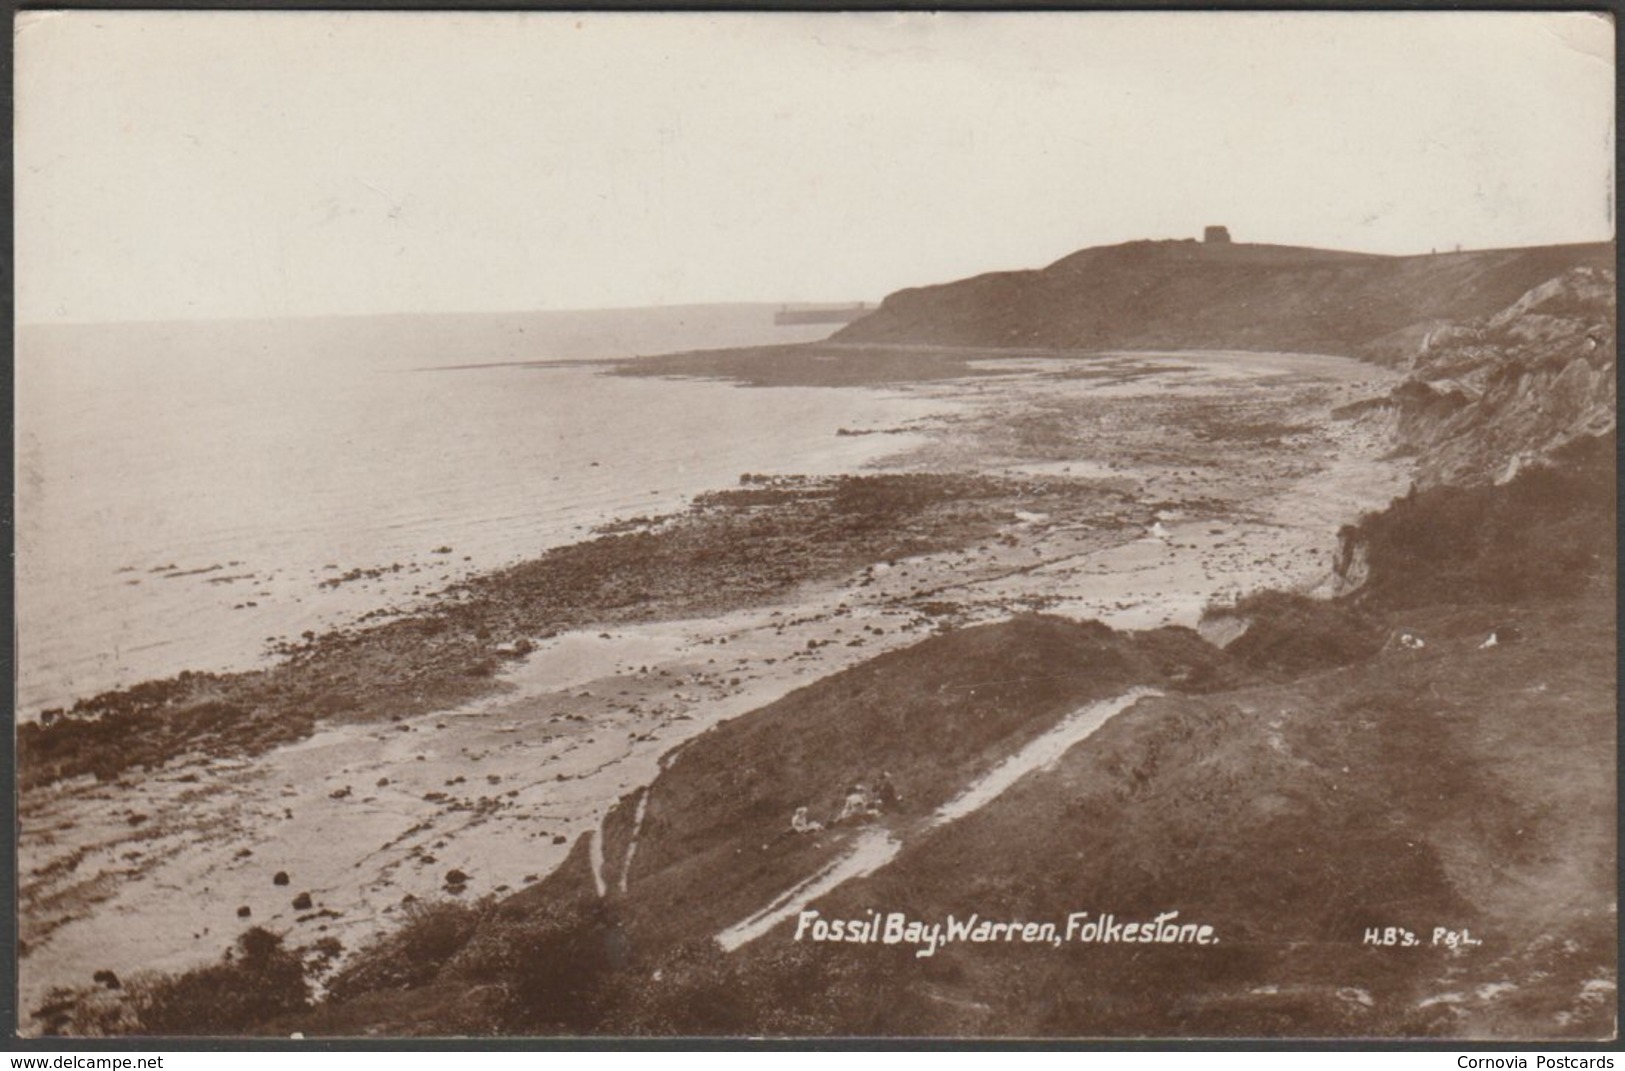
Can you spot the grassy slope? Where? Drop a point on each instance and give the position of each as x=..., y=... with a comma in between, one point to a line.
x=935, y=716
x=1453, y=785
x=1450, y=786
x=1184, y=295
x=1297, y=791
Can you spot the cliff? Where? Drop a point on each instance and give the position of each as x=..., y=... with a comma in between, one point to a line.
x=1189, y=295
x=1488, y=398
x=1530, y=391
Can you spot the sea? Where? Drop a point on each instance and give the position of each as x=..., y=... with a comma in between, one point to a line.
x=190, y=494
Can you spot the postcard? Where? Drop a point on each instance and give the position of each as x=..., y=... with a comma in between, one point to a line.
x=992, y=525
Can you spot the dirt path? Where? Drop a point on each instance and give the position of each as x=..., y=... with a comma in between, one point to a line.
x=874, y=848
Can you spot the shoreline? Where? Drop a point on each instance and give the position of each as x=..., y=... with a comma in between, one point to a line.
x=368, y=525
x=749, y=594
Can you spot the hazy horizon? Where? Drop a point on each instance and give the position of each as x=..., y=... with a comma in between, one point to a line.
x=672, y=307
x=381, y=163
x=397, y=313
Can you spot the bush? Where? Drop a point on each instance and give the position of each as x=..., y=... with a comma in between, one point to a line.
x=551, y=962
x=412, y=955
x=1550, y=532
x=258, y=981
x=92, y=1012
x=1292, y=634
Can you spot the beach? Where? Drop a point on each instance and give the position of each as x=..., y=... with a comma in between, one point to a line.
x=463, y=748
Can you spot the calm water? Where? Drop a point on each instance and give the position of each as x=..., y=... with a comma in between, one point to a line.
x=170, y=476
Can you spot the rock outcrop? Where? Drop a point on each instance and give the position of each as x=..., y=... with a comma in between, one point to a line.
x=1487, y=399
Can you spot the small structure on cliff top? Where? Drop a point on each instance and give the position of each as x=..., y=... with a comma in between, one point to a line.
x=1216, y=236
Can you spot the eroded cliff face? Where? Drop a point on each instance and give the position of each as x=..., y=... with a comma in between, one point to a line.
x=1485, y=400
x=1511, y=420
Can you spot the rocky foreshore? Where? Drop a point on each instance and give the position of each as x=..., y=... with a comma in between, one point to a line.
x=485, y=734
x=732, y=550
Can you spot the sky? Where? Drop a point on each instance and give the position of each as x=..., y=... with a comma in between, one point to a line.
x=204, y=165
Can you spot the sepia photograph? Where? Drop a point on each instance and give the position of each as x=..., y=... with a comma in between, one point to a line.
x=1067, y=525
